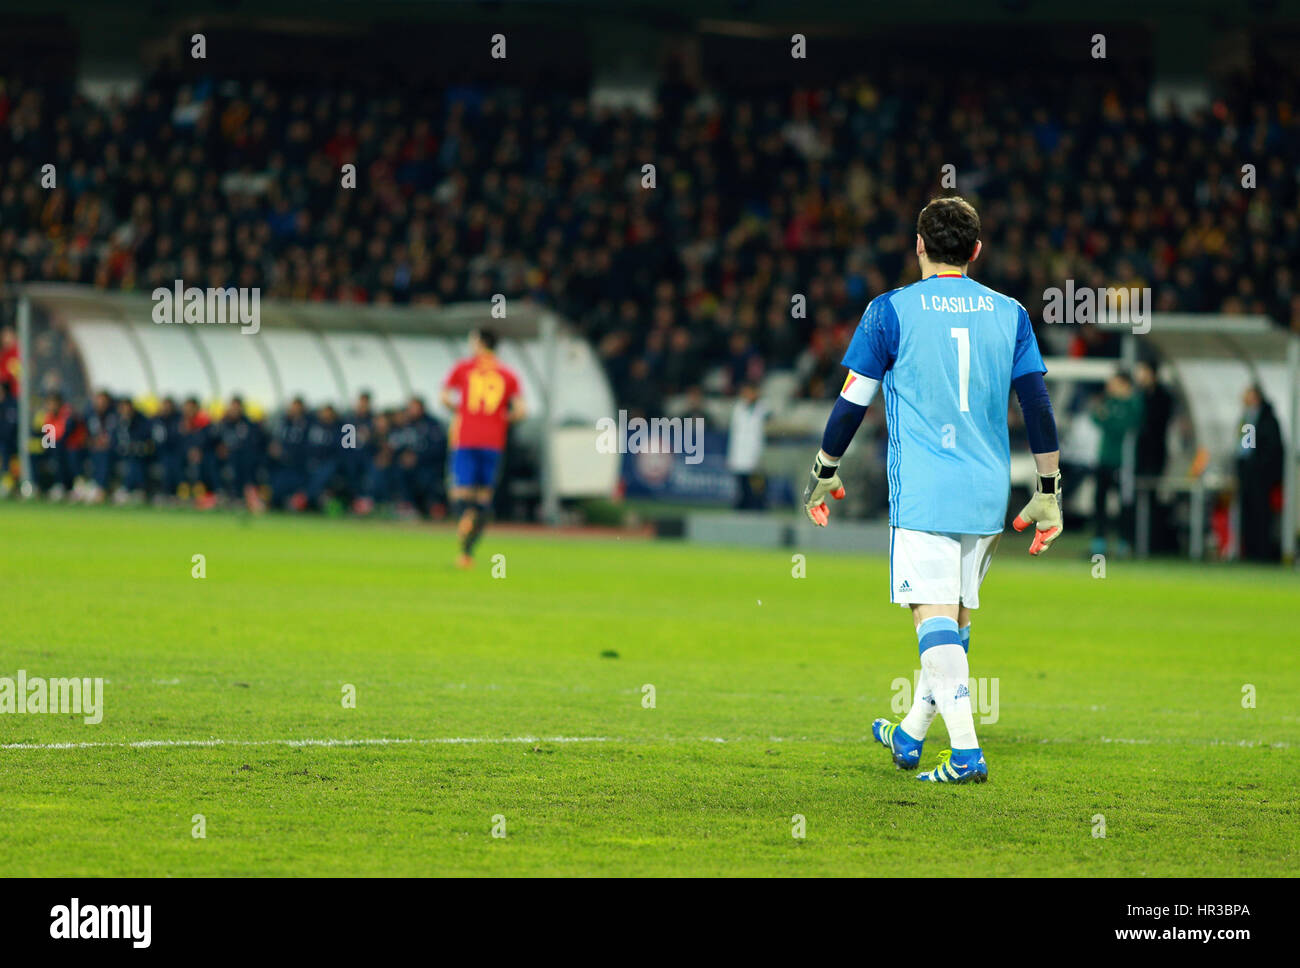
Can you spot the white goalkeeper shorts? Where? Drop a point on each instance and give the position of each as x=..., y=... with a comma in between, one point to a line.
x=930, y=568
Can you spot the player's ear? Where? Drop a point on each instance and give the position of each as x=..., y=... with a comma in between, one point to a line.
x=976, y=253
x=920, y=246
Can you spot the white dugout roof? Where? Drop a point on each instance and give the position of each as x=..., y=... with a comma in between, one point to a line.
x=323, y=353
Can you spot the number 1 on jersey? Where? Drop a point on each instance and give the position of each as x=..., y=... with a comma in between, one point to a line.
x=962, y=336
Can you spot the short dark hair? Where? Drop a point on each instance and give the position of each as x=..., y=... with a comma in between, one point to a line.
x=488, y=338
x=949, y=227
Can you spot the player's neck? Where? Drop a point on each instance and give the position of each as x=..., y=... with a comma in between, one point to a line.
x=929, y=269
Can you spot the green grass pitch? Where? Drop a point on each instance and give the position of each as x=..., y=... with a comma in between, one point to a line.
x=1120, y=696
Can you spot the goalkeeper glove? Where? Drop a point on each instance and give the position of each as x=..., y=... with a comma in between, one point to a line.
x=1044, y=511
x=824, y=479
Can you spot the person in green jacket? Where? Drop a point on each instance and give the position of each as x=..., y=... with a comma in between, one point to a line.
x=1117, y=414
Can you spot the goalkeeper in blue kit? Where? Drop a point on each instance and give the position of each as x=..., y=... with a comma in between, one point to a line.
x=947, y=352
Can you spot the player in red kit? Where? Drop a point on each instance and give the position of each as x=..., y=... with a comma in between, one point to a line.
x=485, y=395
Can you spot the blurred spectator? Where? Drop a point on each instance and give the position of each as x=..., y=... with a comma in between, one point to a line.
x=641, y=393
x=744, y=363
x=1153, y=449
x=324, y=454
x=238, y=442
x=358, y=450
x=745, y=449
x=9, y=363
x=692, y=406
x=168, y=448
x=287, y=451
x=1117, y=413
x=1157, y=411
x=8, y=438
x=62, y=438
x=1259, y=476
x=133, y=449
x=377, y=486
x=420, y=446
x=101, y=423
x=199, y=470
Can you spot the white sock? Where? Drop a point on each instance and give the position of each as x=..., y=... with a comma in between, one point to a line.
x=918, y=719
x=950, y=678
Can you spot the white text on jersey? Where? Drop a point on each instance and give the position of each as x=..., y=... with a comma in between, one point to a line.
x=957, y=304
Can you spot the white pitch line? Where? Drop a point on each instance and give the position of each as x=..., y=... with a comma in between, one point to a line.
x=501, y=740
x=444, y=741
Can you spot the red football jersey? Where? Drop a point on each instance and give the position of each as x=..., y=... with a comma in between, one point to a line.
x=483, y=414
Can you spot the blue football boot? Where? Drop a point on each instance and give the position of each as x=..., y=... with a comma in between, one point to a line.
x=958, y=766
x=905, y=750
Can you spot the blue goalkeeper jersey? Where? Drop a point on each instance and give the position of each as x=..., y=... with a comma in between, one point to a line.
x=945, y=350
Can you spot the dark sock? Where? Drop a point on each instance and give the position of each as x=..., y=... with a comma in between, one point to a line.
x=458, y=510
x=480, y=522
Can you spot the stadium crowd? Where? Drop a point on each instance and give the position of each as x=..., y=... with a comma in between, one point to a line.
x=464, y=193
x=686, y=276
